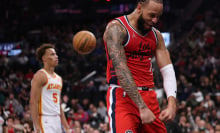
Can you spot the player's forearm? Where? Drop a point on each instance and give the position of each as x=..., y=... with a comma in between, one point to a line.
x=35, y=114
x=128, y=84
x=63, y=120
x=172, y=102
x=124, y=75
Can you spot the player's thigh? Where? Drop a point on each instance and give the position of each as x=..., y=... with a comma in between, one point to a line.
x=124, y=122
x=51, y=124
x=150, y=98
x=156, y=127
x=122, y=112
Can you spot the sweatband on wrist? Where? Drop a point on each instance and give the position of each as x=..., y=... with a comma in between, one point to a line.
x=169, y=80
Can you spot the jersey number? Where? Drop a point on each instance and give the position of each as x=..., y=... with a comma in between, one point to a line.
x=55, y=99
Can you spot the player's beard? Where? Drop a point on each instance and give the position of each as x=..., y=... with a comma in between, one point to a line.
x=141, y=26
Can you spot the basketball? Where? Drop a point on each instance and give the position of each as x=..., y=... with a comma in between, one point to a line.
x=84, y=42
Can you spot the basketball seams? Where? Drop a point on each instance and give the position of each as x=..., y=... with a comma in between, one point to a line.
x=76, y=40
x=84, y=42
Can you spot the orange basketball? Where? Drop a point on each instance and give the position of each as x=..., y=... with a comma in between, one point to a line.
x=84, y=42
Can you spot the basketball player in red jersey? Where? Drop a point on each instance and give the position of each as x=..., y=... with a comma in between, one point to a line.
x=45, y=100
x=131, y=41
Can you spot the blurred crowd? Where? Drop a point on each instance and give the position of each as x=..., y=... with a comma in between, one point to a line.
x=195, y=57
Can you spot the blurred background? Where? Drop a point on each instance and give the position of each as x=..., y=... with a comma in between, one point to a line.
x=191, y=30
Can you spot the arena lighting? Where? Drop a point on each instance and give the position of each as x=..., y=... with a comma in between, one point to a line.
x=88, y=76
x=108, y=0
x=167, y=38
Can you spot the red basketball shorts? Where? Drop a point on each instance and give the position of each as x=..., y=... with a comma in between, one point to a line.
x=124, y=116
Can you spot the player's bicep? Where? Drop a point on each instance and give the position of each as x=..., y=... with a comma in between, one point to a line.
x=162, y=53
x=114, y=36
x=37, y=83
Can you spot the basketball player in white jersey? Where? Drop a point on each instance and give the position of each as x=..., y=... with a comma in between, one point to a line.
x=46, y=87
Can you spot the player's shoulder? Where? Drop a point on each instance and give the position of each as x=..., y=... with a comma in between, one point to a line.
x=114, y=24
x=115, y=28
x=156, y=30
x=39, y=78
x=160, y=40
x=58, y=76
x=40, y=74
x=158, y=34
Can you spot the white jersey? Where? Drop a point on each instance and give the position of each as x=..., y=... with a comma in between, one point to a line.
x=49, y=103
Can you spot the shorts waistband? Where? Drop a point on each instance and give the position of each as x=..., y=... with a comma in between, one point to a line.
x=142, y=88
x=146, y=88
x=48, y=115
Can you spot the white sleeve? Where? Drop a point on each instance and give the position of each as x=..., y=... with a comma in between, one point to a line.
x=169, y=80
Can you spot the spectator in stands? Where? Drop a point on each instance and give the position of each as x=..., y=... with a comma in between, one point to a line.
x=102, y=110
x=1, y=120
x=12, y=104
x=202, y=126
x=217, y=127
x=81, y=115
x=104, y=128
x=9, y=127
x=103, y=87
x=77, y=127
x=27, y=127
x=18, y=127
x=95, y=117
x=85, y=104
x=29, y=75
x=184, y=124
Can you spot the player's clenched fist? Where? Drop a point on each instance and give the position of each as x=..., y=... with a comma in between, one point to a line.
x=146, y=116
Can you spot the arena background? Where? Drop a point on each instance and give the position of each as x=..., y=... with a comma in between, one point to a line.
x=194, y=47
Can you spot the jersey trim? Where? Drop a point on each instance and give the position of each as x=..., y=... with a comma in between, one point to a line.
x=126, y=18
x=126, y=30
x=48, y=73
x=112, y=108
x=40, y=105
x=155, y=34
x=41, y=123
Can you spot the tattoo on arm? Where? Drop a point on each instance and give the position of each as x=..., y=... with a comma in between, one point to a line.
x=115, y=35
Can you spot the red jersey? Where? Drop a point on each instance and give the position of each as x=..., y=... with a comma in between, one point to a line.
x=139, y=51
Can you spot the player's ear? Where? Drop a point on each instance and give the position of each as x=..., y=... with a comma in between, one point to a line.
x=43, y=58
x=139, y=7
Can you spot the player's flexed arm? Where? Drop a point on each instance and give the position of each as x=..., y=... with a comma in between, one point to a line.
x=169, y=79
x=114, y=36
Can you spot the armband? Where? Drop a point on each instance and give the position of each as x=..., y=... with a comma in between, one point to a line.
x=169, y=80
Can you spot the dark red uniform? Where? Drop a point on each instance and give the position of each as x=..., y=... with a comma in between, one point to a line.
x=124, y=116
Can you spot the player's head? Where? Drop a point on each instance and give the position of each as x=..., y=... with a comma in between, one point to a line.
x=46, y=54
x=149, y=12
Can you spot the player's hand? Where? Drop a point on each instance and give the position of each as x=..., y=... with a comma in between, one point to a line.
x=69, y=131
x=169, y=113
x=147, y=116
x=38, y=130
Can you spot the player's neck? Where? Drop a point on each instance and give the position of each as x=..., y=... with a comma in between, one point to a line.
x=49, y=69
x=132, y=20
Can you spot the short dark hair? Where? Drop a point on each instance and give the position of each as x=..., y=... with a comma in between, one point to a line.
x=41, y=51
x=30, y=123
